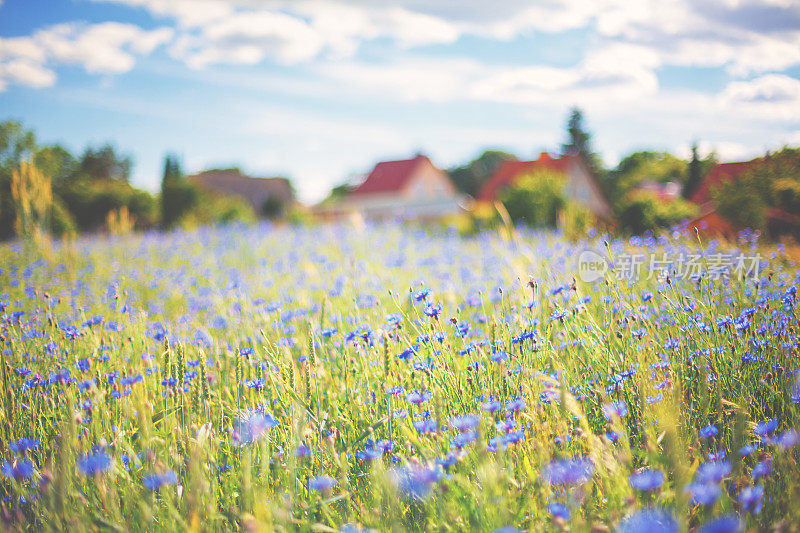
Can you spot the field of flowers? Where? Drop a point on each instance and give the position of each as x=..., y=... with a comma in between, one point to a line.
x=386, y=378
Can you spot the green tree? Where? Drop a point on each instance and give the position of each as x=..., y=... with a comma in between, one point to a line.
x=178, y=197
x=104, y=163
x=579, y=141
x=536, y=199
x=470, y=178
x=697, y=170
x=772, y=182
x=56, y=162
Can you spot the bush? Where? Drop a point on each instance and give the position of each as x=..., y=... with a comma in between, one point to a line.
x=536, y=199
x=576, y=221
x=90, y=202
x=178, y=199
x=772, y=182
x=644, y=211
x=61, y=223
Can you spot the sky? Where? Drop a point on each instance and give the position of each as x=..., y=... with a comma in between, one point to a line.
x=320, y=90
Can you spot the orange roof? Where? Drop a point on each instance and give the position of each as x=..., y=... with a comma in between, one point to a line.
x=390, y=176
x=510, y=170
x=721, y=173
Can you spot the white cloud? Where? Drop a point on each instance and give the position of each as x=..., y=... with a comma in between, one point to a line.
x=772, y=95
x=104, y=48
x=610, y=75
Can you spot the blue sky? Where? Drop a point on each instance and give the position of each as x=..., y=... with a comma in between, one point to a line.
x=320, y=90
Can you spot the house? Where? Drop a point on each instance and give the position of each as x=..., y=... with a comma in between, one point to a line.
x=581, y=187
x=265, y=195
x=405, y=189
x=710, y=222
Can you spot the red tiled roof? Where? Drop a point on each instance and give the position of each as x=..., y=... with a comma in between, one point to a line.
x=508, y=171
x=721, y=173
x=389, y=176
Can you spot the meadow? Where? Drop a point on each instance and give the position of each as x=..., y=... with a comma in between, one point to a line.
x=388, y=378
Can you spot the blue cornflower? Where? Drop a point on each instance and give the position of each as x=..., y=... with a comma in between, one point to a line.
x=708, y=432
x=752, y=498
x=515, y=404
x=23, y=445
x=321, y=483
x=416, y=397
x=747, y=449
x=425, y=426
x=21, y=469
x=94, y=463
x=558, y=314
x=649, y=520
x=156, y=481
x=492, y=406
x=465, y=422
x=713, y=471
x=646, y=480
x=704, y=493
x=762, y=469
x=422, y=295
x=462, y=439
x=615, y=409
x=369, y=453
x=724, y=524
x=433, y=310
x=766, y=427
x=568, y=471
x=252, y=427
x=559, y=510
x=415, y=481
x=303, y=451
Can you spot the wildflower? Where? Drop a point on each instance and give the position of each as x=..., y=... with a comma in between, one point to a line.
x=646, y=480
x=156, y=481
x=788, y=439
x=747, y=449
x=491, y=406
x=568, y=471
x=462, y=439
x=751, y=499
x=465, y=422
x=766, y=427
x=303, y=451
x=615, y=409
x=321, y=483
x=704, y=493
x=21, y=469
x=425, y=426
x=416, y=481
x=708, y=432
x=713, y=471
x=649, y=520
x=95, y=463
x=253, y=427
x=23, y=445
x=515, y=404
x=433, y=310
x=724, y=524
x=416, y=397
x=559, y=510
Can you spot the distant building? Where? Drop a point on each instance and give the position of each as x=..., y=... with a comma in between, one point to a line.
x=664, y=190
x=262, y=194
x=406, y=189
x=709, y=221
x=581, y=187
